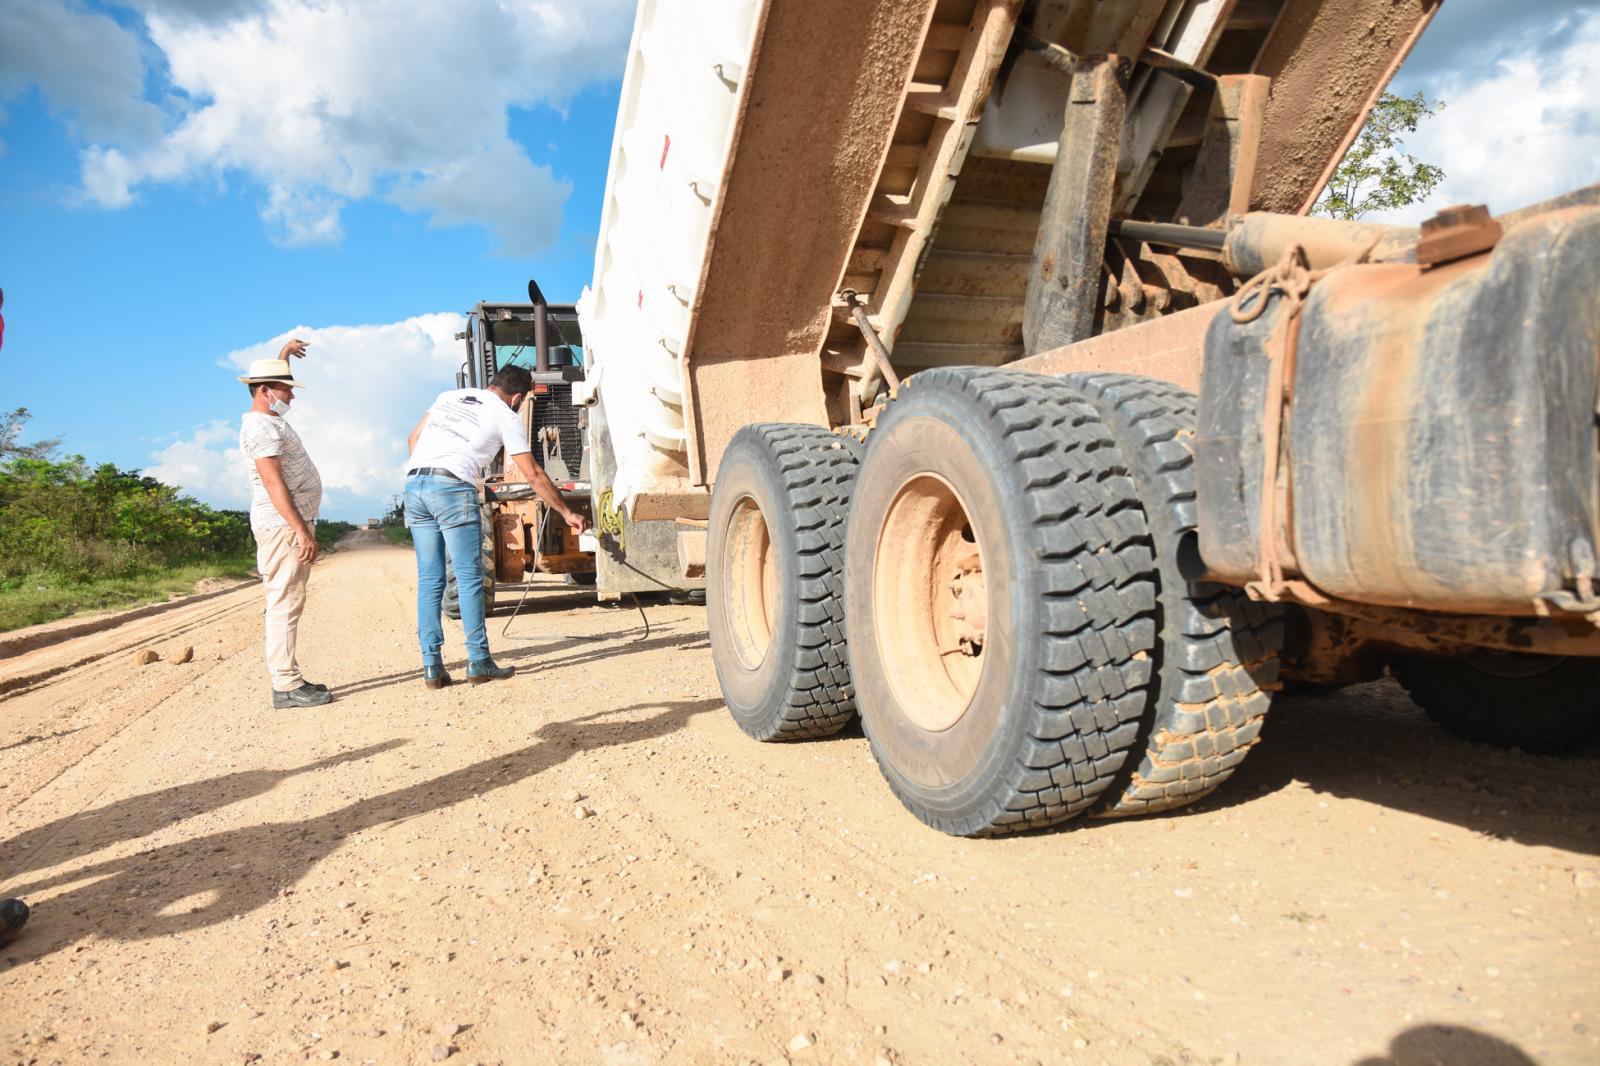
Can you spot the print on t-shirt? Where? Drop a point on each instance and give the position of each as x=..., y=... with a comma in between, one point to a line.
x=465, y=428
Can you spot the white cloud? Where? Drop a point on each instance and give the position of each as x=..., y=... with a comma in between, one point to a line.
x=87, y=67
x=323, y=102
x=299, y=217
x=205, y=465
x=366, y=386
x=1522, y=129
x=530, y=196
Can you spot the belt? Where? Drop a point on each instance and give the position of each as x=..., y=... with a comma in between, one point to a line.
x=432, y=471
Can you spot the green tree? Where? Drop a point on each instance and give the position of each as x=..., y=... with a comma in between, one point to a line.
x=77, y=522
x=12, y=424
x=1377, y=174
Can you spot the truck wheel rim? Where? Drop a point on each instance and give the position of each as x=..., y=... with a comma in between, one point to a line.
x=751, y=586
x=930, y=602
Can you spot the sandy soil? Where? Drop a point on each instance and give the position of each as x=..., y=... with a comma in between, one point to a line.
x=589, y=863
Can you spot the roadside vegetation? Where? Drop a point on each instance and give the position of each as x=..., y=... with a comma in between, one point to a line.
x=394, y=525
x=76, y=537
x=328, y=534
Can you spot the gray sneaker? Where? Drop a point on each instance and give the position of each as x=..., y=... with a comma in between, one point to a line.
x=304, y=696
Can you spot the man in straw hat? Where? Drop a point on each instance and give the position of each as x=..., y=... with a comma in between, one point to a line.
x=286, y=496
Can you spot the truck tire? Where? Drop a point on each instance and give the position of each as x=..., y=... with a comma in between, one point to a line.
x=1000, y=600
x=452, y=594
x=774, y=567
x=1547, y=704
x=1216, y=653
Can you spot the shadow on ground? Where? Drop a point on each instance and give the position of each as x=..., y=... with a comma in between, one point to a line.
x=1448, y=1045
x=89, y=831
x=1370, y=742
x=544, y=656
x=135, y=898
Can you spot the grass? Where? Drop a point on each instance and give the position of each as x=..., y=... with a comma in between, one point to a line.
x=39, y=598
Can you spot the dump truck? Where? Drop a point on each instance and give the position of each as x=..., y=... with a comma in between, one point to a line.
x=987, y=357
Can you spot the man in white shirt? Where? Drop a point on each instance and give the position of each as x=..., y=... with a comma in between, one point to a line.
x=286, y=495
x=449, y=448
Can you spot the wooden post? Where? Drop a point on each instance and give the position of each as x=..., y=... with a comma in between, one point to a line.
x=1064, y=281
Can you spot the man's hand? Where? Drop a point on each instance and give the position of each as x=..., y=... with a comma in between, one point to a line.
x=547, y=491
x=296, y=347
x=305, y=545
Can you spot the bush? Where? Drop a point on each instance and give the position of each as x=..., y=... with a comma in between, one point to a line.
x=72, y=522
x=328, y=533
x=75, y=537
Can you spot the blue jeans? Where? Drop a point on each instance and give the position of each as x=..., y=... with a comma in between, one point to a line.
x=443, y=515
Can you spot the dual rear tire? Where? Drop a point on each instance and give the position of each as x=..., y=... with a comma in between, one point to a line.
x=774, y=579
x=1000, y=553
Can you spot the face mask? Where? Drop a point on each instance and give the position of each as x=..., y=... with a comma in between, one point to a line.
x=278, y=407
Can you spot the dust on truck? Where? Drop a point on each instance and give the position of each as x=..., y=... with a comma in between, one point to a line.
x=986, y=355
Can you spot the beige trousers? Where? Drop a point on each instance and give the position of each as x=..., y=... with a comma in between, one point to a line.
x=283, y=578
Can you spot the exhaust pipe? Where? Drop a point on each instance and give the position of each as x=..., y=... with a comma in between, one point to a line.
x=541, y=316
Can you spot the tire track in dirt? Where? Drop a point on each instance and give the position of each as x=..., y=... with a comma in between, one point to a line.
x=42, y=636
x=85, y=699
x=33, y=670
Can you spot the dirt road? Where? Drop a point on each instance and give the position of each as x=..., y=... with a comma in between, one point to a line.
x=589, y=863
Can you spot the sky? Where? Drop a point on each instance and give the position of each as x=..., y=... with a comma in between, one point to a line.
x=184, y=184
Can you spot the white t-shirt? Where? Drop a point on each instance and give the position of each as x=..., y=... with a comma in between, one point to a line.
x=465, y=428
x=262, y=436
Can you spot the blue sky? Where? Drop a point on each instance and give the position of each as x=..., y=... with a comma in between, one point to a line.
x=275, y=175
x=98, y=300
x=186, y=182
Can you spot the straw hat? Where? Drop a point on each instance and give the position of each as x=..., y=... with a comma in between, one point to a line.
x=263, y=370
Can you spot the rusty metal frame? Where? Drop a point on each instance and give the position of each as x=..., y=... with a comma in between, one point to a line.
x=1170, y=348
